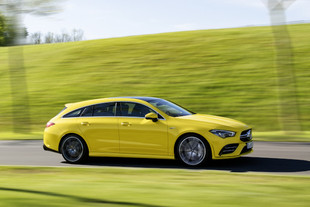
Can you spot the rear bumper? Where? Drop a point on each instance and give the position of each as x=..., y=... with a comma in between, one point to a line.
x=49, y=149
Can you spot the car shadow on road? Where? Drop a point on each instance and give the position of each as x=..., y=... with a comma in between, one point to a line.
x=242, y=164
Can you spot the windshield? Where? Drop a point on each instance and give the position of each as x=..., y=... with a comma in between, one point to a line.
x=169, y=108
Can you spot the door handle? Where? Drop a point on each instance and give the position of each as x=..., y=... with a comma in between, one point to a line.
x=125, y=124
x=85, y=123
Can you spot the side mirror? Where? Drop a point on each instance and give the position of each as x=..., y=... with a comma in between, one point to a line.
x=152, y=116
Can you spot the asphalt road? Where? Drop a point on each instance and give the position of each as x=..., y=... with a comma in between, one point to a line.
x=268, y=157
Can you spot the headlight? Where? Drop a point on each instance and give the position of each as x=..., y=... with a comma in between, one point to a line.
x=223, y=133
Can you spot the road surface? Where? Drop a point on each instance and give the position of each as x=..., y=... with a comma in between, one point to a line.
x=268, y=157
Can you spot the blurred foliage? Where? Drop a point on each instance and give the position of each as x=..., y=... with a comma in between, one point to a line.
x=8, y=33
x=2, y=30
x=226, y=72
x=33, y=186
x=34, y=7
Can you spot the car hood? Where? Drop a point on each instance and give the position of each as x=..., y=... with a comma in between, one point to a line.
x=216, y=121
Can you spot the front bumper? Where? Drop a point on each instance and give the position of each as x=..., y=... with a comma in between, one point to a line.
x=240, y=144
x=233, y=151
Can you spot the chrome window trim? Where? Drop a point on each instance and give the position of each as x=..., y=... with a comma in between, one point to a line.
x=115, y=111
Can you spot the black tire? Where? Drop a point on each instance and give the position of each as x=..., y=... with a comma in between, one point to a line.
x=74, y=149
x=192, y=150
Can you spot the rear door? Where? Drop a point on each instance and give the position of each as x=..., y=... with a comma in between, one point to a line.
x=99, y=127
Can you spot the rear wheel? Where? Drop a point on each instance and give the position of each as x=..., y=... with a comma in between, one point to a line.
x=192, y=151
x=74, y=149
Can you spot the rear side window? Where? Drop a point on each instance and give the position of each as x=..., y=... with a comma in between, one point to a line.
x=105, y=109
x=75, y=113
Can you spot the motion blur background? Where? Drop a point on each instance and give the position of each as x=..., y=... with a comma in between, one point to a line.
x=257, y=74
x=243, y=59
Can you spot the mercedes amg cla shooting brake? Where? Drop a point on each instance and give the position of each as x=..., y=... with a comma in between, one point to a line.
x=144, y=127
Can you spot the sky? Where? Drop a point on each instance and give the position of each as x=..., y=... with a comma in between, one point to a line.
x=117, y=18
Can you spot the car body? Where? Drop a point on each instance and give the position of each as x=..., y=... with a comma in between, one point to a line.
x=144, y=127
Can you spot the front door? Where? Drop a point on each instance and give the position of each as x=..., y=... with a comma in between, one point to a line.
x=139, y=135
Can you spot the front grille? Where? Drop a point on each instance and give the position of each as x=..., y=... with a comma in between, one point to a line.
x=230, y=148
x=246, y=135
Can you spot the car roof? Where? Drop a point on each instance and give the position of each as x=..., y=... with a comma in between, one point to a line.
x=123, y=98
x=143, y=98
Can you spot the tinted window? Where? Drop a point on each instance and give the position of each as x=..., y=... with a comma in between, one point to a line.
x=88, y=111
x=105, y=109
x=134, y=109
x=75, y=113
x=169, y=108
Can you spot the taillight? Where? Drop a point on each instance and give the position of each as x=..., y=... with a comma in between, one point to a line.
x=49, y=124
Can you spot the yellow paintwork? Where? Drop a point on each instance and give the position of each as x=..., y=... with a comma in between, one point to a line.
x=139, y=137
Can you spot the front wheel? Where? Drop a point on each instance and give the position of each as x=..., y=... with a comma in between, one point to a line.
x=192, y=151
x=74, y=149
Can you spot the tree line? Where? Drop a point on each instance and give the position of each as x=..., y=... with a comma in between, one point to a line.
x=50, y=37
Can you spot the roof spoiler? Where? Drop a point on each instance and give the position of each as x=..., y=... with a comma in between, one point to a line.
x=68, y=104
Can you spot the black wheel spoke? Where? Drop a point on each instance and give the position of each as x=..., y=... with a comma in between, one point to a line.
x=72, y=149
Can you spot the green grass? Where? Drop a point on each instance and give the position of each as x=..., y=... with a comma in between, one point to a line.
x=34, y=186
x=282, y=136
x=227, y=72
x=16, y=136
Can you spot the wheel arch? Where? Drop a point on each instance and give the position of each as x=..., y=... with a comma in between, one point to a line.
x=74, y=134
x=206, y=142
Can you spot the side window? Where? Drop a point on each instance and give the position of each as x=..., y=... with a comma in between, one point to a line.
x=88, y=111
x=75, y=113
x=133, y=109
x=104, y=109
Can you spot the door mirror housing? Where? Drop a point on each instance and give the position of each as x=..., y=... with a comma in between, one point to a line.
x=152, y=116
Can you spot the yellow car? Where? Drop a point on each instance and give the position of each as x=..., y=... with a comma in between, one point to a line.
x=144, y=127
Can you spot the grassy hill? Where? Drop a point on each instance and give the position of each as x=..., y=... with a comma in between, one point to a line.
x=227, y=72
